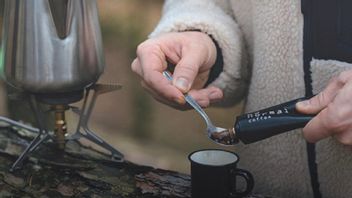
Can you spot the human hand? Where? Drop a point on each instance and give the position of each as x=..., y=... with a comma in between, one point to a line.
x=193, y=53
x=333, y=107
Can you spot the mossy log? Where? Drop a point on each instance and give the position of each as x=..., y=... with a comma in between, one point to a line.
x=80, y=171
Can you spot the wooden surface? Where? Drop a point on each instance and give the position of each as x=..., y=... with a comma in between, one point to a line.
x=80, y=172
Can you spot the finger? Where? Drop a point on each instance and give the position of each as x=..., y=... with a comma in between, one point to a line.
x=317, y=103
x=186, y=71
x=317, y=128
x=343, y=118
x=136, y=67
x=165, y=91
x=320, y=101
x=153, y=63
x=215, y=95
x=163, y=100
x=156, y=96
x=207, y=96
x=335, y=119
x=345, y=138
x=151, y=57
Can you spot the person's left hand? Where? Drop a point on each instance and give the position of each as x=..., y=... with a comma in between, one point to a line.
x=333, y=107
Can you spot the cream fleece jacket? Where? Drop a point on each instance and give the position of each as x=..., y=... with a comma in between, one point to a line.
x=262, y=43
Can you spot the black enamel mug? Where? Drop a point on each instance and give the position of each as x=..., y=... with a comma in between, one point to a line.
x=214, y=173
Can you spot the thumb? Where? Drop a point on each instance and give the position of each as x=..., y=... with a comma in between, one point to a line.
x=316, y=103
x=185, y=73
x=312, y=106
x=320, y=101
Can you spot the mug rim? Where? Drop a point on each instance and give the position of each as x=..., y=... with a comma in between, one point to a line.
x=200, y=150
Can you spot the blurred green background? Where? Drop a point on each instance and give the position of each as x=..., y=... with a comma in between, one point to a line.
x=147, y=132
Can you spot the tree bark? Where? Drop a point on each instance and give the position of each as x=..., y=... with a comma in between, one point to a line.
x=80, y=171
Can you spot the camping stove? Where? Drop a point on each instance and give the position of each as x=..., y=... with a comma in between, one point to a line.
x=52, y=53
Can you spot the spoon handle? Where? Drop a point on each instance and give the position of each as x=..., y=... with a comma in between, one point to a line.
x=192, y=102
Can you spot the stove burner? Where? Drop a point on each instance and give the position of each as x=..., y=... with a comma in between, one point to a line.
x=60, y=125
x=60, y=133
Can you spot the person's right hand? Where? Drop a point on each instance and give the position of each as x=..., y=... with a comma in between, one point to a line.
x=193, y=53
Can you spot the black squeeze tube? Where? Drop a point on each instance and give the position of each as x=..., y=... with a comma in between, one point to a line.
x=252, y=127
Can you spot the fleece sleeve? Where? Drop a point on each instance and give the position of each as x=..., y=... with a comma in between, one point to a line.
x=214, y=18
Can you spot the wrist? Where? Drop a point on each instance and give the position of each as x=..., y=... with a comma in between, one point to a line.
x=218, y=66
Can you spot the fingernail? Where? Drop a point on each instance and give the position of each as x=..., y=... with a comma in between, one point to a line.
x=303, y=103
x=182, y=84
x=215, y=95
x=204, y=103
x=180, y=100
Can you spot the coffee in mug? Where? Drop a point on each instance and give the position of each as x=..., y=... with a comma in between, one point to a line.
x=214, y=173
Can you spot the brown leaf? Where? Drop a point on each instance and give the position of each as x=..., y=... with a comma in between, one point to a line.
x=65, y=190
x=13, y=180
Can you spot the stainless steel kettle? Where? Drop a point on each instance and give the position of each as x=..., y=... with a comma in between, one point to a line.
x=52, y=50
x=51, y=46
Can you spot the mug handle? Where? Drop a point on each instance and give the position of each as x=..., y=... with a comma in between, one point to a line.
x=249, y=181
